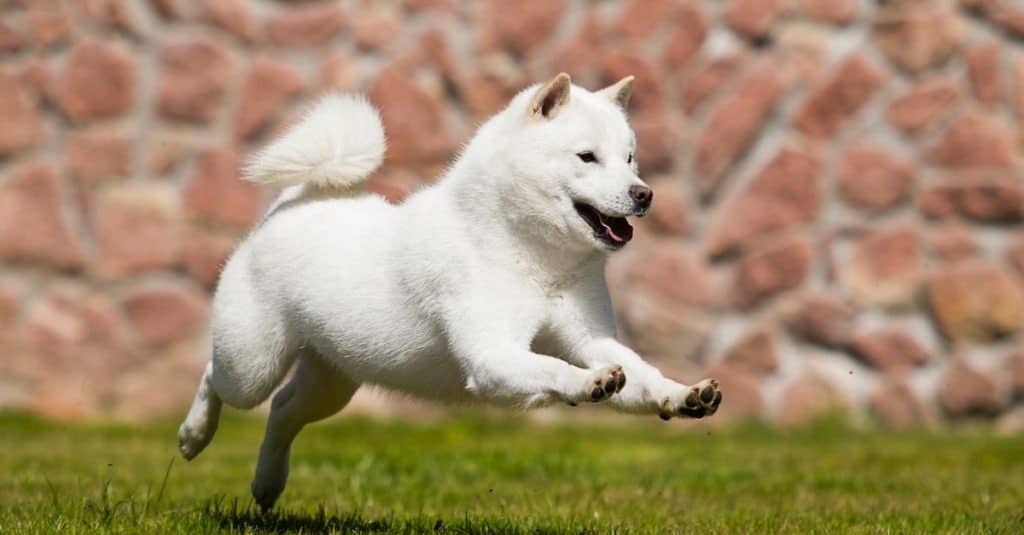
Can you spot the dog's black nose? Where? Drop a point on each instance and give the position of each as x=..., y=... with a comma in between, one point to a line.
x=641, y=195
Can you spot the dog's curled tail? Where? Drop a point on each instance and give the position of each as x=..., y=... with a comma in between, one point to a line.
x=336, y=145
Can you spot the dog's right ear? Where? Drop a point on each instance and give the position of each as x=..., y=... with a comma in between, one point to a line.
x=551, y=97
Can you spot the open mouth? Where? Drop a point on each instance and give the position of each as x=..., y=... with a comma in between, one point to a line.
x=614, y=232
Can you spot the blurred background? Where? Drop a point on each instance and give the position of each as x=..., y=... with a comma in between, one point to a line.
x=839, y=209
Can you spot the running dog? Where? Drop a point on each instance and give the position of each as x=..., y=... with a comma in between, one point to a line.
x=485, y=286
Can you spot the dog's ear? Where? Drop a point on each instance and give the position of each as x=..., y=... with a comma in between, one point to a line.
x=551, y=97
x=620, y=91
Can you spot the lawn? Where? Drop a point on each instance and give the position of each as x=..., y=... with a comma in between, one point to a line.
x=471, y=474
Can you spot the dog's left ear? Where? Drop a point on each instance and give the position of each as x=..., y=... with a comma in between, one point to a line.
x=620, y=91
x=551, y=97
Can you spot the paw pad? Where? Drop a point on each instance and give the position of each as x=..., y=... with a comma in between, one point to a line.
x=700, y=400
x=607, y=382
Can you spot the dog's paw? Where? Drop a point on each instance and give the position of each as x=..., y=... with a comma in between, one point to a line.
x=266, y=491
x=193, y=439
x=605, y=382
x=697, y=401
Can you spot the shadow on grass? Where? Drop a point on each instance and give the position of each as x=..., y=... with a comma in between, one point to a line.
x=248, y=519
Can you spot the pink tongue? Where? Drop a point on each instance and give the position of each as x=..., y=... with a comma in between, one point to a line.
x=611, y=232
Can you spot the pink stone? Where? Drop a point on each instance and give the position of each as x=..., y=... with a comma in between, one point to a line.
x=137, y=228
x=850, y=87
x=412, y=119
x=975, y=139
x=769, y=270
x=984, y=71
x=886, y=267
x=918, y=36
x=953, y=243
x=786, y=193
x=987, y=197
x=873, y=178
x=305, y=26
x=754, y=352
x=808, y=397
x=966, y=391
x=753, y=18
x=165, y=312
x=33, y=198
x=234, y=16
x=734, y=123
x=205, y=253
x=22, y=127
x=671, y=272
x=896, y=405
x=269, y=85
x=975, y=302
x=194, y=78
x=688, y=35
x=709, y=78
x=923, y=104
x=521, y=26
x=217, y=194
x=99, y=80
x=823, y=319
x=889, y=350
x=97, y=154
x=839, y=12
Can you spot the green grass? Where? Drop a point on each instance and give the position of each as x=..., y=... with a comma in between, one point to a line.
x=493, y=475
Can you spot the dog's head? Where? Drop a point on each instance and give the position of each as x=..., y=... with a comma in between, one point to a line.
x=573, y=157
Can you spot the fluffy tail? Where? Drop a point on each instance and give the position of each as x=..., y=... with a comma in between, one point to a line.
x=338, y=143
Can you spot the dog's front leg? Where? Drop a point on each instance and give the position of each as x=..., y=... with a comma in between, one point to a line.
x=584, y=326
x=648, y=390
x=518, y=377
x=489, y=330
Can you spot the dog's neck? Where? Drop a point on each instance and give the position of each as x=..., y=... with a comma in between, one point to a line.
x=511, y=242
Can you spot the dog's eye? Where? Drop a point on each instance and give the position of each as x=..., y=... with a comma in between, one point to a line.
x=630, y=158
x=587, y=156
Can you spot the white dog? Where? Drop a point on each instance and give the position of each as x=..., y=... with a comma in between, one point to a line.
x=488, y=285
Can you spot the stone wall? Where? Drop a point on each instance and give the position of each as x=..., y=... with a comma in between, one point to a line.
x=839, y=212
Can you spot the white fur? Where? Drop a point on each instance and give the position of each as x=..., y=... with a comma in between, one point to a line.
x=487, y=285
x=337, y=144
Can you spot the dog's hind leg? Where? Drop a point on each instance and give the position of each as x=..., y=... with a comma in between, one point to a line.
x=252, y=353
x=315, y=392
x=201, y=423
